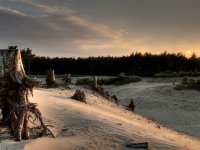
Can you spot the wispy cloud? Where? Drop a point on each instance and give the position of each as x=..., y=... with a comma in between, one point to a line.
x=47, y=9
x=13, y=11
x=98, y=28
x=63, y=19
x=68, y=31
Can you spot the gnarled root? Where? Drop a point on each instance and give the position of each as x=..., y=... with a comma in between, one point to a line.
x=23, y=122
x=21, y=112
x=15, y=87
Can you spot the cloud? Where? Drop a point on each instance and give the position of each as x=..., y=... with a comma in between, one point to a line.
x=91, y=27
x=11, y=11
x=46, y=9
x=68, y=15
x=66, y=32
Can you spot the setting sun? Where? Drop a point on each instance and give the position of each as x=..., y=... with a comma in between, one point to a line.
x=188, y=53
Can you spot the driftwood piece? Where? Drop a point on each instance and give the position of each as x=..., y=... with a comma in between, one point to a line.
x=79, y=96
x=144, y=145
x=17, y=111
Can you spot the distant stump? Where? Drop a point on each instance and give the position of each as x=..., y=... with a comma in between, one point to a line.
x=79, y=96
x=50, y=80
x=132, y=105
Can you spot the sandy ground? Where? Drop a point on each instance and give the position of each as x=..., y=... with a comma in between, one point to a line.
x=97, y=125
x=157, y=100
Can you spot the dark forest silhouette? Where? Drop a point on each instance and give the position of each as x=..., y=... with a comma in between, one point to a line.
x=146, y=64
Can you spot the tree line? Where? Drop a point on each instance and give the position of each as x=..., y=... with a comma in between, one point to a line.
x=136, y=63
x=146, y=64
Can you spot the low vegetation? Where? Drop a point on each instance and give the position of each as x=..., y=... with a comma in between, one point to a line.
x=119, y=80
x=140, y=64
x=168, y=74
x=189, y=83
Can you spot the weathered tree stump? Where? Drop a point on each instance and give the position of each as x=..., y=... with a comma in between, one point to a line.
x=132, y=105
x=17, y=111
x=79, y=96
x=51, y=80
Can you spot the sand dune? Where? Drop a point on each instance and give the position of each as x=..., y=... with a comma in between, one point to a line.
x=97, y=125
x=157, y=100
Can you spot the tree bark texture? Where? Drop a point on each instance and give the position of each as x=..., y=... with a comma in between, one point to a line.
x=17, y=110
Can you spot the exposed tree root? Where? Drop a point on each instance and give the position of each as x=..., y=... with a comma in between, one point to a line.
x=17, y=111
x=21, y=112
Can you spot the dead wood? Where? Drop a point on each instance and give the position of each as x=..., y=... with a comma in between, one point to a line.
x=132, y=105
x=79, y=96
x=66, y=81
x=51, y=80
x=17, y=111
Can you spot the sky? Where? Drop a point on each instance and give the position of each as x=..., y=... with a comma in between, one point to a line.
x=81, y=28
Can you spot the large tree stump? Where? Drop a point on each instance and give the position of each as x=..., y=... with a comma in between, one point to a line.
x=17, y=111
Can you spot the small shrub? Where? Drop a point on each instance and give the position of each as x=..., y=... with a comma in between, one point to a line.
x=119, y=80
x=198, y=82
x=121, y=75
x=189, y=83
x=183, y=73
x=167, y=74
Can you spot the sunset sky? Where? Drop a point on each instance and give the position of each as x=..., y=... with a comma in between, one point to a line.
x=101, y=27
